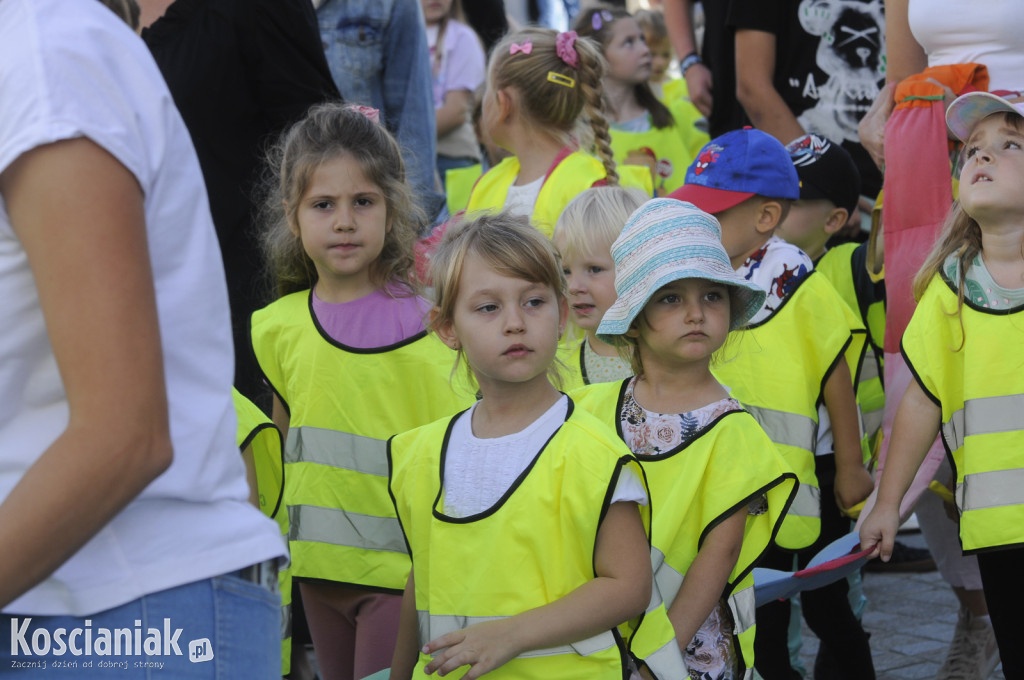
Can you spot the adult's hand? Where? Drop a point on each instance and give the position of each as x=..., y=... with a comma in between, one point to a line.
x=871, y=129
x=698, y=83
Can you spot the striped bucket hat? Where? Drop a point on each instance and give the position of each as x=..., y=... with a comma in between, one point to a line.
x=666, y=240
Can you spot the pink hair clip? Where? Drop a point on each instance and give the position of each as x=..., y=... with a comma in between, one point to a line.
x=368, y=111
x=526, y=47
x=565, y=47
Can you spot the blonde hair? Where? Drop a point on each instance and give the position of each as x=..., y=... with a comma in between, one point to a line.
x=509, y=245
x=661, y=117
x=329, y=131
x=652, y=23
x=127, y=10
x=553, y=105
x=594, y=219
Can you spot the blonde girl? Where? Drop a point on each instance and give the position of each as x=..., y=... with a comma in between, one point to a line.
x=584, y=235
x=652, y=23
x=643, y=130
x=963, y=346
x=521, y=513
x=346, y=353
x=718, y=485
x=541, y=87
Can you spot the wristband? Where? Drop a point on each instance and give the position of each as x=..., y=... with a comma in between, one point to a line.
x=688, y=61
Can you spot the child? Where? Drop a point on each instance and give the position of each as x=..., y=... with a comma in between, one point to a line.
x=678, y=300
x=801, y=351
x=350, y=364
x=652, y=23
x=584, y=236
x=459, y=182
x=457, y=69
x=963, y=345
x=520, y=513
x=643, y=130
x=540, y=86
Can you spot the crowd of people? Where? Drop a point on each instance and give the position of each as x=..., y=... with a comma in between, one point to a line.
x=360, y=339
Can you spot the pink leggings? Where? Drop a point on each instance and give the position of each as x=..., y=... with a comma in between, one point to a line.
x=353, y=630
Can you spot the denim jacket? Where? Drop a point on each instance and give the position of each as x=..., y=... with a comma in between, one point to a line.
x=377, y=52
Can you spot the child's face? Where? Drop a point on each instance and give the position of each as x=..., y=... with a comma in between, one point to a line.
x=629, y=59
x=507, y=327
x=993, y=174
x=661, y=57
x=591, y=280
x=435, y=10
x=805, y=224
x=685, y=321
x=739, y=231
x=342, y=221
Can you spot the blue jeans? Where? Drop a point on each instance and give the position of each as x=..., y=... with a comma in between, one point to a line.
x=222, y=628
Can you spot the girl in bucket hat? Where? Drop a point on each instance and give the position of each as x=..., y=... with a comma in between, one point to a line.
x=718, y=486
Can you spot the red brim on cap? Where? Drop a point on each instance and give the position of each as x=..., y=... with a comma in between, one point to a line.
x=708, y=199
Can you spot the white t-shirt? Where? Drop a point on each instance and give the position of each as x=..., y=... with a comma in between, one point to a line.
x=957, y=32
x=478, y=472
x=520, y=200
x=69, y=69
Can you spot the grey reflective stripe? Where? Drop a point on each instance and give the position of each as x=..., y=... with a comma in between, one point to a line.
x=872, y=420
x=337, y=449
x=985, y=415
x=786, y=428
x=286, y=621
x=433, y=626
x=655, y=598
x=743, y=605
x=869, y=367
x=667, y=579
x=807, y=502
x=994, y=489
x=667, y=663
x=339, y=527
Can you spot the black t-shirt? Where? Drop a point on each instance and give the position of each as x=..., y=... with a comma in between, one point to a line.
x=829, y=65
x=719, y=55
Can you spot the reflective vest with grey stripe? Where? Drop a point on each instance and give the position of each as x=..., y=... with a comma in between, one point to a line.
x=777, y=369
x=343, y=403
x=534, y=546
x=723, y=469
x=976, y=376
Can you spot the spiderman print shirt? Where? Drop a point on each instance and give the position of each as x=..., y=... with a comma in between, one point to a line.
x=777, y=267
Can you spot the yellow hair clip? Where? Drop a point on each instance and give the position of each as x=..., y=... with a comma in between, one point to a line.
x=559, y=79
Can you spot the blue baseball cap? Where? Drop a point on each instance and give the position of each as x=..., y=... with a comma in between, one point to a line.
x=736, y=166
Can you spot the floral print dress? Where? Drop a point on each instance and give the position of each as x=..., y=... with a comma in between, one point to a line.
x=710, y=655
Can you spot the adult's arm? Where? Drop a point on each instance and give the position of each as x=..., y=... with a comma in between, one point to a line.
x=78, y=214
x=755, y=87
x=679, y=20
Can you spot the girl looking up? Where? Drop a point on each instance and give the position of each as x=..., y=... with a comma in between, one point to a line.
x=350, y=363
x=584, y=235
x=541, y=85
x=720, y=486
x=963, y=346
x=643, y=130
x=521, y=514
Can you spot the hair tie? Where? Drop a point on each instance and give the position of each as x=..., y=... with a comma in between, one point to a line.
x=368, y=111
x=526, y=47
x=565, y=47
x=560, y=79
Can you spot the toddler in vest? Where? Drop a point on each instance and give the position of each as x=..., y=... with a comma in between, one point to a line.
x=521, y=513
x=781, y=371
x=346, y=353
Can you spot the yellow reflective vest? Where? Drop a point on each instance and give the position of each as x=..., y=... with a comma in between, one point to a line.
x=570, y=175
x=670, y=149
x=845, y=267
x=535, y=546
x=458, y=184
x=256, y=431
x=777, y=369
x=343, y=404
x=975, y=374
x=693, y=487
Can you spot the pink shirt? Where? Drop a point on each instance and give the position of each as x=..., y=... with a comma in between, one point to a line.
x=374, y=320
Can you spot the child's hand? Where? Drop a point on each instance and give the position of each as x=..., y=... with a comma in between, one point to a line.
x=852, y=485
x=879, y=531
x=482, y=646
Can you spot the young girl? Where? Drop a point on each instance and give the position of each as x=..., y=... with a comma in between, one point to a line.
x=350, y=363
x=521, y=513
x=643, y=130
x=720, y=486
x=457, y=69
x=963, y=346
x=540, y=85
x=584, y=235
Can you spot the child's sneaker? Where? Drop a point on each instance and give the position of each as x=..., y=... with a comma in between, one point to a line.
x=973, y=654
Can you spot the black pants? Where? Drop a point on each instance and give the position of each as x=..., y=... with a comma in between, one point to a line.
x=826, y=610
x=1001, y=572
